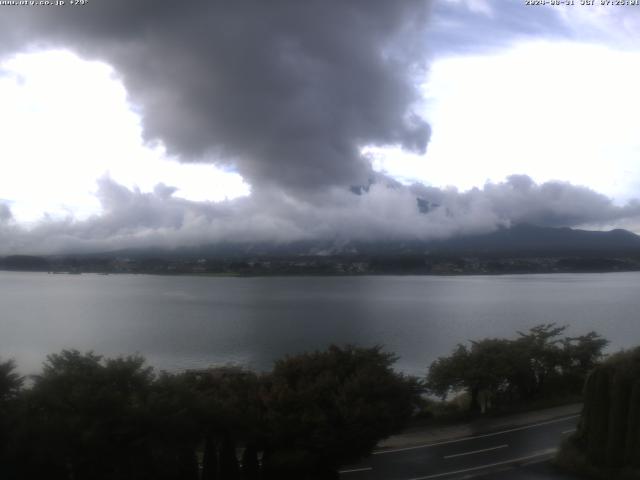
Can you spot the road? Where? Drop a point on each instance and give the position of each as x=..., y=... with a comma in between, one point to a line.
x=465, y=457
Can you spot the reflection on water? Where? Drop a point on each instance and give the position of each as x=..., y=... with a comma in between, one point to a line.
x=185, y=322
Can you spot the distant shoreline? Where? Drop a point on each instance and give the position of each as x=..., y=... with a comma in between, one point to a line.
x=543, y=266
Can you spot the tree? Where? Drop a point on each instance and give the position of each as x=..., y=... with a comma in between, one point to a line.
x=10, y=381
x=328, y=408
x=230, y=412
x=174, y=428
x=498, y=371
x=449, y=374
x=608, y=434
x=10, y=388
x=556, y=364
x=483, y=371
x=583, y=353
x=82, y=418
x=541, y=347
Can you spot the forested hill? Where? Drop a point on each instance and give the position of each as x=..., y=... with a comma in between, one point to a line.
x=520, y=249
x=529, y=239
x=519, y=240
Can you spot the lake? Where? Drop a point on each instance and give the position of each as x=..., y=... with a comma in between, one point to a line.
x=180, y=322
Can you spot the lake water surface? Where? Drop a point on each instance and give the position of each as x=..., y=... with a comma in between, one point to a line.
x=180, y=322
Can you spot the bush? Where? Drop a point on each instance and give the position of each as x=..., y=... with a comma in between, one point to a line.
x=608, y=435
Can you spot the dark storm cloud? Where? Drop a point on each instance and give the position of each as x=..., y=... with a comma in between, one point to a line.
x=5, y=213
x=286, y=91
x=386, y=211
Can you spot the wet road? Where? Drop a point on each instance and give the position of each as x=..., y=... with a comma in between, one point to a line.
x=498, y=451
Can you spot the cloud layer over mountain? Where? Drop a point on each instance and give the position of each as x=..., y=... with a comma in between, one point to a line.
x=388, y=211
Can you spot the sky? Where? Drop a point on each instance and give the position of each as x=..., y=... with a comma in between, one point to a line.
x=164, y=124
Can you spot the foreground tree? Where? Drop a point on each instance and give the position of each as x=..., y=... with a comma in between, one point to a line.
x=82, y=419
x=482, y=371
x=608, y=434
x=540, y=358
x=10, y=381
x=501, y=371
x=328, y=408
x=230, y=413
x=10, y=387
x=87, y=417
x=581, y=355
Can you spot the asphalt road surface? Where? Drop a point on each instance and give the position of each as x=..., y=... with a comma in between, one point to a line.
x=502, y=452
x=531, y=471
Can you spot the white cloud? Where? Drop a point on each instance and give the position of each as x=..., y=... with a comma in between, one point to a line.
x=65, y=123
x=562, y=111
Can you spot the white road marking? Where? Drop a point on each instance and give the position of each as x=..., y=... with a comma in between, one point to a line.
x=535, y=461
x=476, y=451
x=473, y=437
x=566, y=432
x=489, y=465
x=354, y=470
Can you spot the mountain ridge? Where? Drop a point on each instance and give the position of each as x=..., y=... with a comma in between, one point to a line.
x=519, y=249
x=518, y=240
